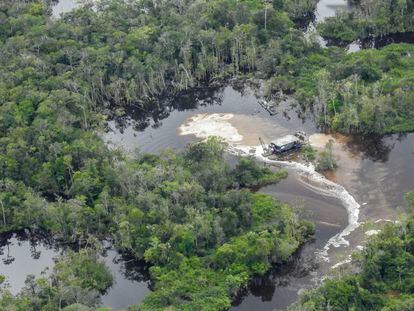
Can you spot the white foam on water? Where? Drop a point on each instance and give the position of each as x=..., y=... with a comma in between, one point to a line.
x=372, y=232
x=384, y=220
x=312, y=179
x=360, y=247
x=343, y=262
x=204, y=125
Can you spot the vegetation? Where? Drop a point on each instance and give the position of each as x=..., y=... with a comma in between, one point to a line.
x=366, y=92
x=370, y=19
x=249, y=174
x=384, y=281
x=158, y=47
x=308, y=153
x=326, y=159
x=188, y=214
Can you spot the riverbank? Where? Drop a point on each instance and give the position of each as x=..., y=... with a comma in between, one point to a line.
x=376, y=160
x=69, y=79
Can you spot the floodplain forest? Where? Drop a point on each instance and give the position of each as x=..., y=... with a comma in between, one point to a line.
x=194, y=218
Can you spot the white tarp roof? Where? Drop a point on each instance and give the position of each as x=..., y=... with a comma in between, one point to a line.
x=285, y=140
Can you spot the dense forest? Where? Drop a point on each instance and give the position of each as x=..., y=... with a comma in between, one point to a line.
x=122, y=53
x=361, y=93
x=190, y=215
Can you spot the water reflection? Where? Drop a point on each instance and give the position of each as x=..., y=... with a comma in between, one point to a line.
x=380, y=42
x=63, y=6
x=24, y=254
x=280, y=284
x=374, y=147
x=152, y=114
x=279, y=288
x=131, y=280
x=155, y=131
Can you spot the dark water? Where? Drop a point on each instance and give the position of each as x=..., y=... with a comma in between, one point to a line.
x=22, y=254
x=328, y=8
x=380, y=42
x=384, y=174
x=153, y=133
x=325, y=9
x=373, y=43
x=63, y=6
x=280, y=287
x=131, y=280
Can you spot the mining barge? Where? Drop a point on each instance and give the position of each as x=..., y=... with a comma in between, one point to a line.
x=284, y=144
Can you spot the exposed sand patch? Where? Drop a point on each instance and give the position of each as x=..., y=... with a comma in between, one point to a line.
x=251, y=127
x=319, y=140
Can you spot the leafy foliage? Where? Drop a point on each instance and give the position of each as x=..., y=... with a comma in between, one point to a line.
x=188, y=214
x=308, y=153
x=326, y=160
x=185, y=213
x=366, y=92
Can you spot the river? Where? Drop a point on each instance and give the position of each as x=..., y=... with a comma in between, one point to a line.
x=375, y=172
x=372, y=178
